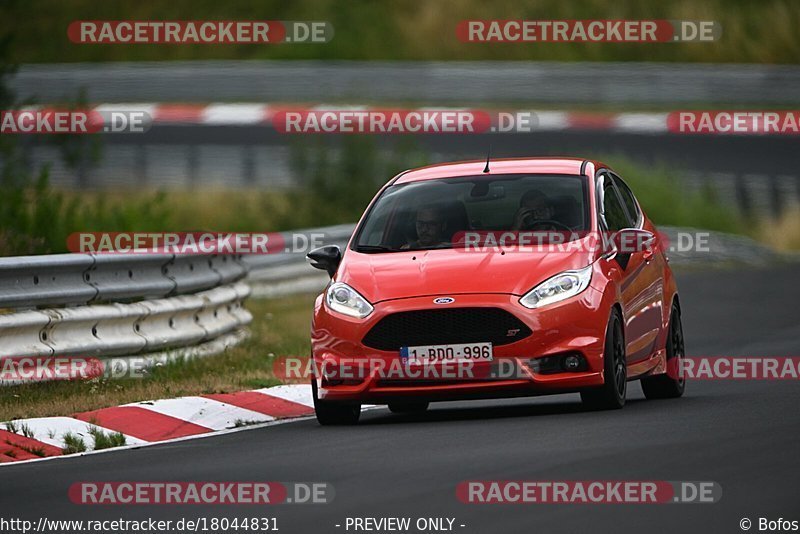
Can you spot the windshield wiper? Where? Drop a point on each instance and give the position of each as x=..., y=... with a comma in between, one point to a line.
x=378, y=248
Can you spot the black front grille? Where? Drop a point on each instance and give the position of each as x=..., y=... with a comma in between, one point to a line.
x=444, y=327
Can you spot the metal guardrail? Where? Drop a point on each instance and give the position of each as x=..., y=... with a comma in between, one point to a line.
x=105, y=330
x=79, y=279
x=287, y=273
x=150, y=306
x=433, y=82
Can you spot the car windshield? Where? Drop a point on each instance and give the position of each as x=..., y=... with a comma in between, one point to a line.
x=434, y=213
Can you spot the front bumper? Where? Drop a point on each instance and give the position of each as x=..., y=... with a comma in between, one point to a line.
x=576, y=325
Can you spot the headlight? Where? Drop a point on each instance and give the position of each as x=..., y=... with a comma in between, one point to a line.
x=344, y=299
x=559, y=287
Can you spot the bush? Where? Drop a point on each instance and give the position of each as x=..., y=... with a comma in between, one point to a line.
x=336, y=181
x=36, y=219
x=667, y=202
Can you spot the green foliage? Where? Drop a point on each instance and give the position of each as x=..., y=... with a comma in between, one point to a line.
x=36, y=451
x=336, y=182
x=35, y=218
x=667, y=201
x=26, y=431
x=73, y=444
x=106, y=441
x=336, y=189
x=762, y=31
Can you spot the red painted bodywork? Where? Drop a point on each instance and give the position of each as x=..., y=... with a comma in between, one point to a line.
x=644, y=292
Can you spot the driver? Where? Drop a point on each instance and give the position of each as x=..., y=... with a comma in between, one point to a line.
x=534, y=207
x=430, y=225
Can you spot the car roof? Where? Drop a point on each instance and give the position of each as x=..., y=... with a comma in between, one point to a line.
x=542, y=165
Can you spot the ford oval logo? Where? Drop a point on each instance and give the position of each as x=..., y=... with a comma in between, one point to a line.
x=444, y=300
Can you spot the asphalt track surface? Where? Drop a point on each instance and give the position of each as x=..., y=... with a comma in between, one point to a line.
x=743, y=435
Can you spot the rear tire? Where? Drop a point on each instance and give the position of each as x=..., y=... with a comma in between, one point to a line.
x=334, y=413
x=408, y=407
x=671, y=384
x=611, y=395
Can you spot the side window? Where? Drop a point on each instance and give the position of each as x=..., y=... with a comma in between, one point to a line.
x=627, y=199
x=615, y=215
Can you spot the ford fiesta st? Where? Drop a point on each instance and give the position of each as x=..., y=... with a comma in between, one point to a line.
x=444, y=292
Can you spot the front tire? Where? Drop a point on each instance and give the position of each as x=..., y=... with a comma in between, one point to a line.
x=671, y=384
x=611, y=395
x=334, y=413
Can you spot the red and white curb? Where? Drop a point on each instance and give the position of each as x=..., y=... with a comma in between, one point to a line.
x=157, y=421
x=216, y=114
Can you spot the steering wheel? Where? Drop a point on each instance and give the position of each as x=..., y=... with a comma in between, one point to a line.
x=544, y=224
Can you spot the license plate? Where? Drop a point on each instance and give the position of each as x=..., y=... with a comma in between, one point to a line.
x=427, y=354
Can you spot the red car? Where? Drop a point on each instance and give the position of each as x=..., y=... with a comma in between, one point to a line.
x=496, y=279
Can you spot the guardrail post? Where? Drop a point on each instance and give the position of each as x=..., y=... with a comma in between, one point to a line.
x=193, y=165
x=776, y=200
x=141, y=164
x=248, y=165
x=742, y=198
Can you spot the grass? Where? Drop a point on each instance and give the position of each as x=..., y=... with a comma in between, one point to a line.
x=756, y=32
x=668, y=203
x=781, y=234
x=21, y=429
x=36, y=218
x=73, y=444
x=26, y=431
x=335, y=182
x=659, y=189
x=36, y=451
x=280, y=327
x=210, y=208
x=104, y=440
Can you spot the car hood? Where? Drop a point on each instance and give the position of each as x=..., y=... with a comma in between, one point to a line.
x=443, y=272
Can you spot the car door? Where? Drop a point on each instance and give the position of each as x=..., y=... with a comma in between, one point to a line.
x=640, y=284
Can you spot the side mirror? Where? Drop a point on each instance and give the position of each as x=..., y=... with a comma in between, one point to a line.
x=632, y=240
x=326, y=258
